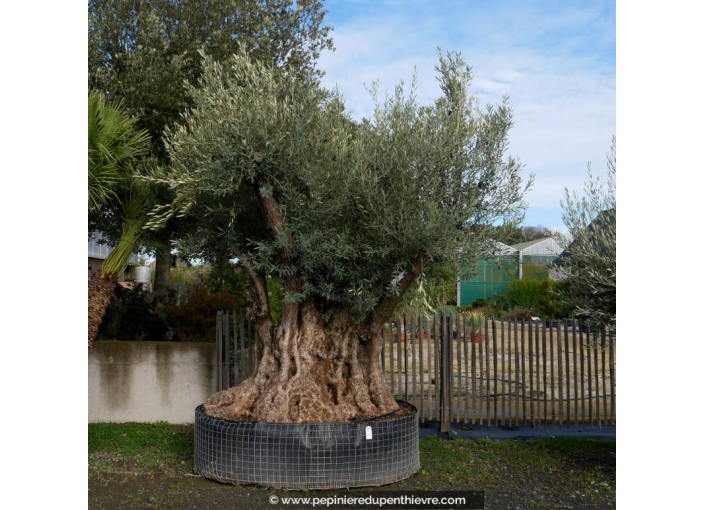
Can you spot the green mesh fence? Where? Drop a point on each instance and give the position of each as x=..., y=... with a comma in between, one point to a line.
x=492, y=277
x=536, y=267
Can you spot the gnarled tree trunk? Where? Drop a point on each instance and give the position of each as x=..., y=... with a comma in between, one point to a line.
x=309, y=371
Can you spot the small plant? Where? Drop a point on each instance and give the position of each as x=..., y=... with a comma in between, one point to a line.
x=500, y=313
x=521, y=313
x=479, y=302
x=500, y=302
x=475, y=322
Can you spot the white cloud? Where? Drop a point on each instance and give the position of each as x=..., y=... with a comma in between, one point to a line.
x=562, y=95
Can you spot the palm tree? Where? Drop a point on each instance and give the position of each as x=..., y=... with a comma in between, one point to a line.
x=115, y=146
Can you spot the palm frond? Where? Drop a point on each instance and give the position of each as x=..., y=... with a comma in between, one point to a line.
x=114, y=145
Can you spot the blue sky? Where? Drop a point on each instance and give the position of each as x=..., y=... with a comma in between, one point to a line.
x=555, y=60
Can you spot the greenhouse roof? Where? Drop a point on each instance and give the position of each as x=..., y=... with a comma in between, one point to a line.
x=528, y=244
x=500, y=248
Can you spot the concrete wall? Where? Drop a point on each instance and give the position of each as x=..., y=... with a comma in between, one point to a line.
x=149, y=381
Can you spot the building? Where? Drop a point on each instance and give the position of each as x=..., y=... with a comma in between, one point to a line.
x=493, y=275
x=98, y=252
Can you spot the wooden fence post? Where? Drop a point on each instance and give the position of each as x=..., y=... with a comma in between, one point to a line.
x=226, y=372
x=218, y=351
x=466, y=369
x=236, y=352
x=422, y=373
x=413, y=361
x=436, y=346
x=446, y=377
x=523, y=372
x=398, y=353
x=405, y=360
x=391, y=358
x=459, y=365
x=496, y=372
x=612, y=378
x=472, y=334
x=568, y=395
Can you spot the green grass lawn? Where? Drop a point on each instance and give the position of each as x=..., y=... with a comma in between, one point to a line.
x=150, y=466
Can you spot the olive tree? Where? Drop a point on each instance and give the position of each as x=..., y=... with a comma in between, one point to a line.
x=589, y=263
x=347, y=214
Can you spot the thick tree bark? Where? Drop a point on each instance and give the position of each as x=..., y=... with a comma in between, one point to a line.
x=100, y=292
x=162, y=273
x=309, y=371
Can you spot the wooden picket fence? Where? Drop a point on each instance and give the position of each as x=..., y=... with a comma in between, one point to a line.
x=497, y=372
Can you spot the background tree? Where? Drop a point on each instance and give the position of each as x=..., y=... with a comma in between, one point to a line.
x=346, y=214
x=589, y=262
x=142, y=51
x=531, y=233
x=115, y=147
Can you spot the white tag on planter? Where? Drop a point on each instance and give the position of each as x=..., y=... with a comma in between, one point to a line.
x=369, y=432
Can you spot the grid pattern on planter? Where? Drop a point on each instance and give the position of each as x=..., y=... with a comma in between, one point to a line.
x=311, y=455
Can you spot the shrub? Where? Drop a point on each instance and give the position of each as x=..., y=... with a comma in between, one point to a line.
x=520, y=313
x=525, y=293
x=478, y=302
x=132, y=317
x=548, y=304
x=500, y=313
x=500, y=301
x=194, y=319
x=488, y=310
x=540, y=296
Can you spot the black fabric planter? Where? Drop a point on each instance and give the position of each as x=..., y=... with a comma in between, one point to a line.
x=310, y=455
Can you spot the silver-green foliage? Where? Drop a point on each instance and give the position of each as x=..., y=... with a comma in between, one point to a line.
x=363, y=202
x=590, y=261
